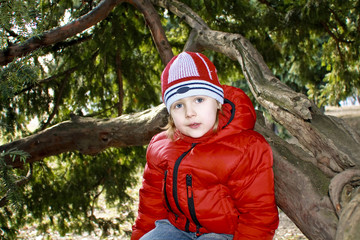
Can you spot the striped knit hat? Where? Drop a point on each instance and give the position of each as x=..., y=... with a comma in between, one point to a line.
x=190, y=74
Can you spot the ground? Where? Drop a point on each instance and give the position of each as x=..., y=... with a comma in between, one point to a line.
x=287, y=231
x=351, y=114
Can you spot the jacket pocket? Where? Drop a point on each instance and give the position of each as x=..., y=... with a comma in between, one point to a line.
x=191, y=204
x=166, y=199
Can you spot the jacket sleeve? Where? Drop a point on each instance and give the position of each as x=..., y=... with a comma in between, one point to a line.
x=252, y=188
x=151, y=207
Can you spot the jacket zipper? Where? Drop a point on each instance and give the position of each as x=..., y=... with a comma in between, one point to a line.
x=175, y=180
x=191, y=204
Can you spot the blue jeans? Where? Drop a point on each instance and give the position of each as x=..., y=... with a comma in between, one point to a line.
x=164, y=230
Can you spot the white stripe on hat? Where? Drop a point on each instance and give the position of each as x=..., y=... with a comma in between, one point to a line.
x=207, y=67
x=192, y=88
x=183, y=66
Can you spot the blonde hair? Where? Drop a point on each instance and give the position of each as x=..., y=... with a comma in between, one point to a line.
x=170, y=127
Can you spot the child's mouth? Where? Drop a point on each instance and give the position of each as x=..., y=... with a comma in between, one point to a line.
x=194, y=125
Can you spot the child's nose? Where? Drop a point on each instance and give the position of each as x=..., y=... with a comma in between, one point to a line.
x=190, y=112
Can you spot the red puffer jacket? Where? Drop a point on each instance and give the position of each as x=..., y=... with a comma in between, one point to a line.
x=222, y=182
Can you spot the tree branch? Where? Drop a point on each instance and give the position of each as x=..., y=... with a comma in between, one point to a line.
x=336, y=188
x=61, y=45
x=58, y=34
x=57, y=102
x=90, y=136
x=49, y=79
x=300, y=187
x=119, y=83
x=158, y=34
x=348, y=227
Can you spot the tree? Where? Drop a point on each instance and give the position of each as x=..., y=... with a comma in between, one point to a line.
x=311, y=46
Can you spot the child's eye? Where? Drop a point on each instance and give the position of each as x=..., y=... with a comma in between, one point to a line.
x=199, y=100
x=178, y=105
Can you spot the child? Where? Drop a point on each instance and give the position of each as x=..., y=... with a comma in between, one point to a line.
x=209, y=176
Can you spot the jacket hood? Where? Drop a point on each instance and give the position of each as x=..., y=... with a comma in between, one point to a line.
x=238, y=115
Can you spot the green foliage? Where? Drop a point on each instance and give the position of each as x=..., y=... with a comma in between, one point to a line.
x=65, y=190
x=18, y=20
x=68, y=203
x=321, y=43
x=10, y=193
x=64, y=193
x=14, y=77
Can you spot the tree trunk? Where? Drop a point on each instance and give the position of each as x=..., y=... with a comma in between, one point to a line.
x=301, y=177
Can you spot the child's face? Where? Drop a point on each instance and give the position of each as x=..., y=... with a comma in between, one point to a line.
x=194, y=116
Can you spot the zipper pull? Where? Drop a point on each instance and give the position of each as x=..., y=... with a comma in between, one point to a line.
x=189, y=185
x=198, y=234
x=188, y=180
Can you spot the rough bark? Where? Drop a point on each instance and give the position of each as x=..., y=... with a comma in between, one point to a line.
x=348, y=228
x=300, y=187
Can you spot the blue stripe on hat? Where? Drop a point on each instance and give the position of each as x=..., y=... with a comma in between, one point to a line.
x=204, y=85
x=192, y=88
